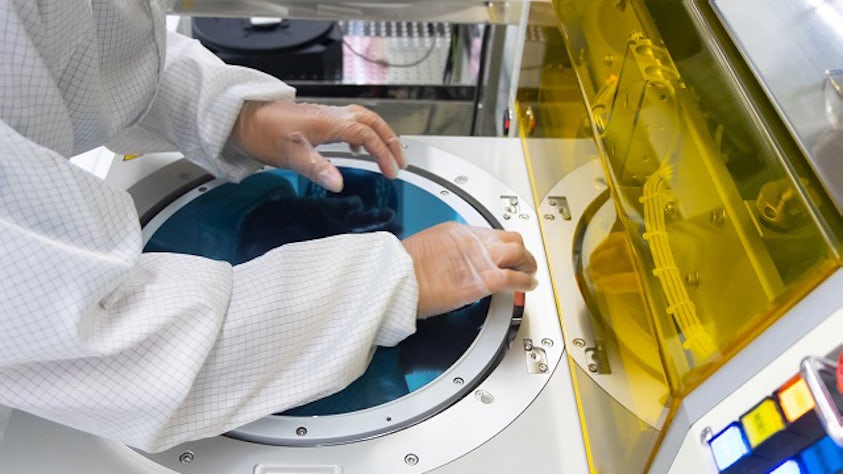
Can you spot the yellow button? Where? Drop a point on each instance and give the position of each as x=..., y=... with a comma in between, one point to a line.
x=762, y=422
x=795, y=400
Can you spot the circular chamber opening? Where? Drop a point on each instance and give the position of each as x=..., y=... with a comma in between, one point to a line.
x=427, y=372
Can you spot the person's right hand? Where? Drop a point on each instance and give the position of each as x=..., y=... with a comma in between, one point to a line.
x=457, y=264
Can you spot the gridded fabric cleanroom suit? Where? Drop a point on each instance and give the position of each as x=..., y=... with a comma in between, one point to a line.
x=156, y=349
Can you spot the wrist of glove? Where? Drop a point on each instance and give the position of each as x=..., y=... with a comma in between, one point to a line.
x=284, y=134
x=457, y=264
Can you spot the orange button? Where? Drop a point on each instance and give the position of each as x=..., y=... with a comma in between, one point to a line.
x=795, y=400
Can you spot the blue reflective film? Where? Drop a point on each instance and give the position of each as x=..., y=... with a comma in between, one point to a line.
x=239, y=222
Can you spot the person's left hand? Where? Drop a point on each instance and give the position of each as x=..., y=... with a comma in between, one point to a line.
x=284, y=134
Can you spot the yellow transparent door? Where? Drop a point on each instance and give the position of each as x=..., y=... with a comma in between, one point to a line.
x=713, y=226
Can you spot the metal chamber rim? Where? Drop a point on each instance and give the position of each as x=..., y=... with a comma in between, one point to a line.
x=481, y=357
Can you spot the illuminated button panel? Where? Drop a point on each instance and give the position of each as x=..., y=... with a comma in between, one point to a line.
x=780, y=434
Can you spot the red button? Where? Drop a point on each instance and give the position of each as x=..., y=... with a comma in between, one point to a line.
x=840, y=373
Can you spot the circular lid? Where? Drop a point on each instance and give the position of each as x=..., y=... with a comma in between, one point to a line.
x=259, y=34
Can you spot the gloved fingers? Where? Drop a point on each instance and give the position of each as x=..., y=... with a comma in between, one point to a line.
x=266, y=130
x=456, y=264
x=358, y=134
x=513, y=256
x=490, y=237
x=384, y=132
x=514, y=280
x=505, y=248
x=396, y=148
x=509, y=236
x=305, y=160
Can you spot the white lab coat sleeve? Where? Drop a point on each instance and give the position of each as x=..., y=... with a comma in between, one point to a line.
x=195, y=106
x=156, y=349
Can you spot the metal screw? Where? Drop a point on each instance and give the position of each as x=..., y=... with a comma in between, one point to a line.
x=528, y=345
x=513, y=201
x=461, y=179
x=549, y=217
x=186, y=457
x=530, y=120
x=484, y=396
x=706, y=434
x=524, y=217
x=202, y=189
x=507, y=217
x=542, y=367
x=592, y=367
x=717, y=217
x=458, y=381
x=301, y=431
x=669, y=208
x=579, y=342
x=693, y=279
x=553, y=202
x=547, y=342
x=411, y=459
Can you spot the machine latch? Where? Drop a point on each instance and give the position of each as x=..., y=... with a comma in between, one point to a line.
x=510, y=206
x=599, y=360
x=536, y=358
x=560, y=203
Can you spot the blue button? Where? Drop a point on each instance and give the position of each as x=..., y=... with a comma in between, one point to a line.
x=822, y=457
x=791, y=466
x=728, y=446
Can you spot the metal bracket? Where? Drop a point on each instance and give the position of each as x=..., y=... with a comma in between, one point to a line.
x=510, y=206
x=536, y=358
x=820, y=376
x=599, y=359
x=560, y=203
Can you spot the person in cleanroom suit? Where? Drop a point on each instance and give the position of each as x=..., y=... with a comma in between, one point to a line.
x=153, y=349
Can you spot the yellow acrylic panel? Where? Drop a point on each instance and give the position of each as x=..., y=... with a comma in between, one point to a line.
x=714, y=226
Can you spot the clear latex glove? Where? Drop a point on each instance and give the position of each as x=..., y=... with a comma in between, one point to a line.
x=284, y=134
x=457, y=264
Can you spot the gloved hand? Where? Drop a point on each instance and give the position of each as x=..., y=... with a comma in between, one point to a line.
x=457, y=264
x=284, y=134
